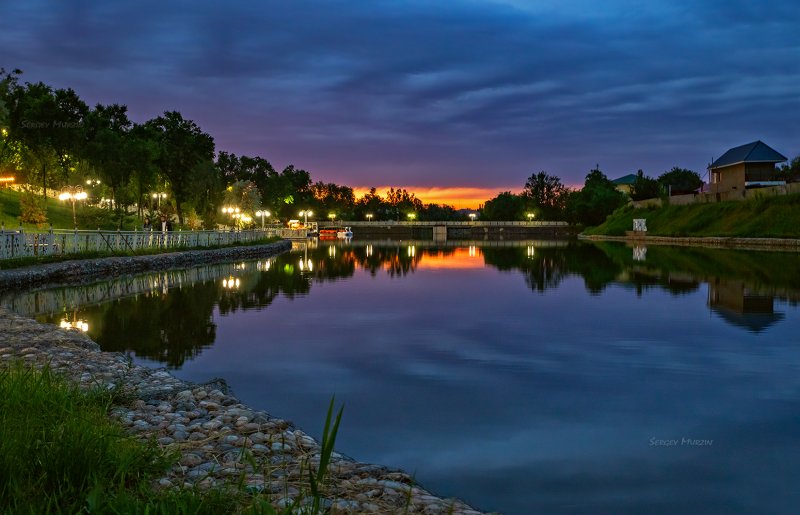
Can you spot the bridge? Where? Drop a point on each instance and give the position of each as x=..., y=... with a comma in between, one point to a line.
x=443, y=231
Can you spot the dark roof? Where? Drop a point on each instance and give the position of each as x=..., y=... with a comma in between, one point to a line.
x=755, y=152
x=625, y=179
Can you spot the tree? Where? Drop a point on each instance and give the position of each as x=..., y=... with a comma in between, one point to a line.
x=595, y=201
x=546, y=194
x=182, y=146
x=504, y=207
x=645, y=187
x=48, y=126
x=109, y=148
x=680, y=181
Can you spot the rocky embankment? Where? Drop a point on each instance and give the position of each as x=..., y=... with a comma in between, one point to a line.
x=219, y=439
x=78, y=271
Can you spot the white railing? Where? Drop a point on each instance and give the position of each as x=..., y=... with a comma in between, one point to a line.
x=21, y=243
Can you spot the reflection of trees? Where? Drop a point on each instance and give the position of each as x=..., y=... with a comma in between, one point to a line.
x=169, y=328
x=544, y=268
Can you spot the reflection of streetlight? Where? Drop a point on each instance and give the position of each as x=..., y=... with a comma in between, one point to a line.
x=73, y=193
x=530, y=216
x=231, y=283
x=158, y=196
x=531, y=252
x=78, y=325
x=305, y=214
x=369, y=217
x=262, y=214
x=472, y=217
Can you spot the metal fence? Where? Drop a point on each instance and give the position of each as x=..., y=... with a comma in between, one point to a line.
x=20, y=243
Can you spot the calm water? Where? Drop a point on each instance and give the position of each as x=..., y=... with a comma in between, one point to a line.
x=530, y=378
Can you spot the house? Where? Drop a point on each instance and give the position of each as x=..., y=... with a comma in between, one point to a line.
x=749, y=165
x=625, y=183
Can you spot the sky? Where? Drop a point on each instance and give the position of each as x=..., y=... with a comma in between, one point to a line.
x=454, y=100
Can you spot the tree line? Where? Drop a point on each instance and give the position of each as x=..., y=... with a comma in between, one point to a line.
x=51, y=138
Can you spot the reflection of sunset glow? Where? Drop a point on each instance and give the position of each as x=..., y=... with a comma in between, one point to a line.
x=459, y=198
x=459, y=259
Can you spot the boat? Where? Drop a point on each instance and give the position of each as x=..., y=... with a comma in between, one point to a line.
x=346, y=233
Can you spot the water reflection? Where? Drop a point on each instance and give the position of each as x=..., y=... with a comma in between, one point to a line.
x=522, y=376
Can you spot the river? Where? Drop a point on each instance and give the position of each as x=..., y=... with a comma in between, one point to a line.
x=522, y=377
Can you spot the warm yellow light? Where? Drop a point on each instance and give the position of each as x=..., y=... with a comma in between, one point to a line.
x=64, y=196
x=412, y=216
x=531, y=216
x=81, y=195
x=472, y=216
x=4, y=132
x=332, y=216
x=7, y=179
x=369, y=216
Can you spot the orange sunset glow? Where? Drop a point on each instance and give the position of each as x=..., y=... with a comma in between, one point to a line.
x=458, y=259
x=458, y=197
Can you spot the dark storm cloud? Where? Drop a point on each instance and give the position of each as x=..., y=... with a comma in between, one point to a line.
x=468, y=92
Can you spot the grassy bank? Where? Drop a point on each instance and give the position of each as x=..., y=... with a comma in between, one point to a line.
x=766, y=217
x=60, y=452
x=59, y=214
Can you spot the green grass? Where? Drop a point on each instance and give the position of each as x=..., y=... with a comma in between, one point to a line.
x=59, y=214
x=60, y=452
x=8, y=264
x=765, y=217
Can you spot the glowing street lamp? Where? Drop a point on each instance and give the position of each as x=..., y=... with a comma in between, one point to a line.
x=262, y=214
x=369, y=217
x=73, y=193
x=234, y=213
x=332, y=216
x=531, y=216
x=472, y=217
x=412, y=216
x=158, y=196
x=305, y=214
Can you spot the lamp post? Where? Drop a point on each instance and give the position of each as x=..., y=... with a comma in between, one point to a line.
x=305, y=214
x=73, y=193
x=531, y=216
x=234, y=213
x=158, y=196
x=262, y=214
x=411, y=216
x=369, y=217
x=332, y=216
x=472, y=217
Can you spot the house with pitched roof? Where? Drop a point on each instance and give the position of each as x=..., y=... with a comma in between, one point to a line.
x=625, y=183
x=750, y=165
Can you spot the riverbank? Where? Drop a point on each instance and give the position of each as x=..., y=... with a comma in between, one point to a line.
x=81, y=271
x=786, y=244
x=758, y=218
x=206, y=424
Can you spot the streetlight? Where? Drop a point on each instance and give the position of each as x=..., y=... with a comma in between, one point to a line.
x=73, y=193
x=234, y=212
x=92, y=182
x=305, y=214
x=472, y=217
x=412, y=216
x=332, y=216
x=531, y=216
x=262, y=214
x=369, y=217
x=158, y=196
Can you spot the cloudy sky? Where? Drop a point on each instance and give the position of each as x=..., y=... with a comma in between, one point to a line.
x=435, y=95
